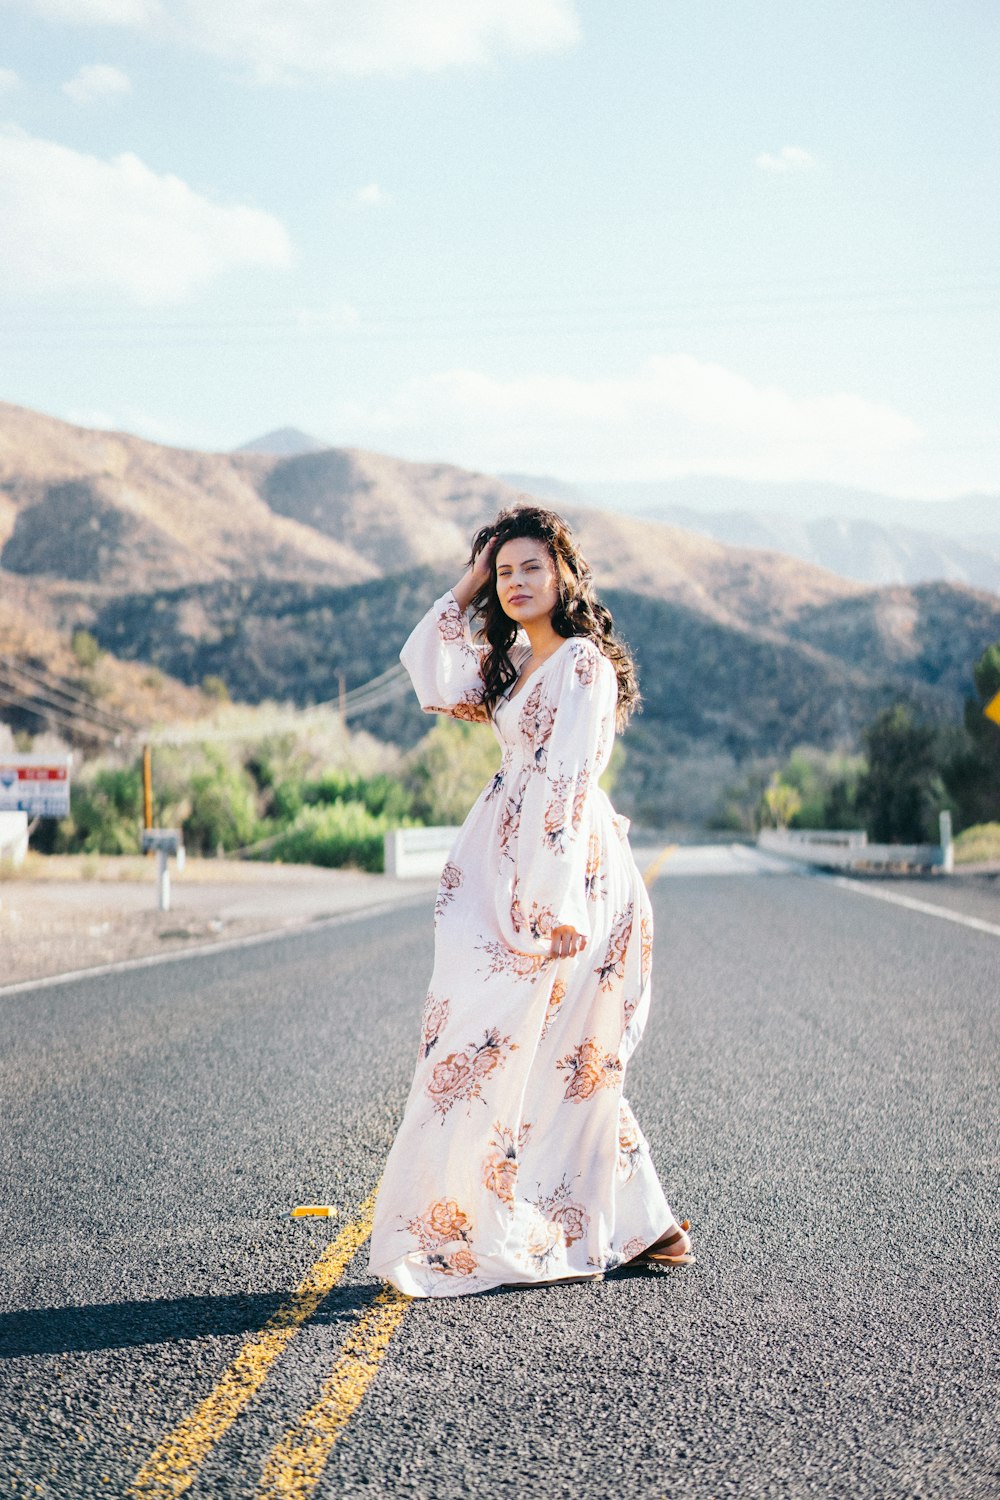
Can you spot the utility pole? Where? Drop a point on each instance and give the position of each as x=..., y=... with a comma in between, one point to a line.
x=147, y=787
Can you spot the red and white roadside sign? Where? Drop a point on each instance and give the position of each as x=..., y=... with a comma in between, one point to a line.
x=35, y=784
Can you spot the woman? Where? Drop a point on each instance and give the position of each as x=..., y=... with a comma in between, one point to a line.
x=518, y=1160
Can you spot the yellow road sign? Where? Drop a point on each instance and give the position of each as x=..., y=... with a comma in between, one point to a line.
x=992, y=709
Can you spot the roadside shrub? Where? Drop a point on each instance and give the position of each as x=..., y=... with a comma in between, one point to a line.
x=335, y=834
x=448, y=769
x=223, y=810
x=380, y=794
x=981, y=843
x=105, y=813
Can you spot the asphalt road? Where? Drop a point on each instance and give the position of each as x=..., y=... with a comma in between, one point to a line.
x=818, y=1082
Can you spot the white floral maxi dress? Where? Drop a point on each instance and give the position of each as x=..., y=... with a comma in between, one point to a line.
x=518, y=1159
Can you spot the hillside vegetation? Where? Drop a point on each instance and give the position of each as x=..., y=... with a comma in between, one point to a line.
x=288, y=577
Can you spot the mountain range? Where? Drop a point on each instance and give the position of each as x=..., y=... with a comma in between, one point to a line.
x=284, y=573
x=859, y=534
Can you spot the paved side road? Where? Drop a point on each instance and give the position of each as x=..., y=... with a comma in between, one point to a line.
x=818, y=1086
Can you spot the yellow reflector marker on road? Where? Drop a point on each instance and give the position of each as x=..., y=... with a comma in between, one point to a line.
x=314, y=1211
x=172, y=1468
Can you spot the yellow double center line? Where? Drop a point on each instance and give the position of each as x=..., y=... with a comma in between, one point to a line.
x=295, y=1465
x=651, y=871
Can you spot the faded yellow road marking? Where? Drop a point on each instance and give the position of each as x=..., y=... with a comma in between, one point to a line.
x=297, y=1460
x=172, y=1467
x=650, y=874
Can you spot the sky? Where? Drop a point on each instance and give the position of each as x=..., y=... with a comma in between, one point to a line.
x=559, y=237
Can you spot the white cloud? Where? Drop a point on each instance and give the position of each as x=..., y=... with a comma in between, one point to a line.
x=9, y=81
x=97, y=81
x=788, y=159
x=94, y=12
x=677, y=415
x=370, y=196
x=282, y=40
x=75, y=222
x=286, y=39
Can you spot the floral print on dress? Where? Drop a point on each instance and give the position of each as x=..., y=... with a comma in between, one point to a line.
x=557, y=1208
x=501, y=1162
x=583, y=664
x=595, y=878
x=504, y=960
x=539, y=921
x=451, y=881
x=611, y=970
x=459, y=1078
x=646, y=946
x=629, y=1143
x=556, y=999
x=510, y=816
x=451, y=622
x=441, y=1225
x=564, y=811
x=589, y=1069
x=536, y=723
x=433, y=1022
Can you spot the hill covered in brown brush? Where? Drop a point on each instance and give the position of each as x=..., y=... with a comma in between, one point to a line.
x=285, y=575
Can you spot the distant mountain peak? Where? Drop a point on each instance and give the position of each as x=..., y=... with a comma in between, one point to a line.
x=284, y=442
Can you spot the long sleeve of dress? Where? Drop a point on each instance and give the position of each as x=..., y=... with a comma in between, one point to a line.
x=443, y=662
x=568, y=717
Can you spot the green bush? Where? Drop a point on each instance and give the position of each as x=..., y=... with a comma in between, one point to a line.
x=335, y=834
x=84, y=647
x=379, y=794
x=105, y=813
x=223, y=810
x=979, y=843
x=448, y=769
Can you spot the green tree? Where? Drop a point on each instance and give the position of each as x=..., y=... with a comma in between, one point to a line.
x=448, y=769
x=223, y=810
x=901, y=792
x=105, y=813
x=780, y=802
x=85, y=648
x=972, y=773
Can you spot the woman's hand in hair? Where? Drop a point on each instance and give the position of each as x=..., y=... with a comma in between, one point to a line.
x=477, y=576
x=566, y=942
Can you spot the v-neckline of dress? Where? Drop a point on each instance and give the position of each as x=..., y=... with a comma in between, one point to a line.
x=513, y=697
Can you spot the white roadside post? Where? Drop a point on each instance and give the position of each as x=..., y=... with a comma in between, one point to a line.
x=166, y=841
x=947, y=847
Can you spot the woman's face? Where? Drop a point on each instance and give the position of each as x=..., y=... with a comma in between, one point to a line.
x=527, y=582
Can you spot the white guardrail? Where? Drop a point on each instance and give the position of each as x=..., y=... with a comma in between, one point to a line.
x=411, y=852
x=836, y=850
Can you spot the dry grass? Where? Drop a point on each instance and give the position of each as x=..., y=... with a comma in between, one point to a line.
x=978, y=845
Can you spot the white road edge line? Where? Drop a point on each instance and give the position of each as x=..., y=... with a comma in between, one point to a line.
x=976, y=923
x=275, y=934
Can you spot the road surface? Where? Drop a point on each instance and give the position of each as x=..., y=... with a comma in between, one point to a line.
x=818, y=1083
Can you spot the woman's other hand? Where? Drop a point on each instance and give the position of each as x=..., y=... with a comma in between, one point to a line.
x=566, y=942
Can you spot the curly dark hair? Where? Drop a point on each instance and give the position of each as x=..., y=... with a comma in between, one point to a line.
x=578, y=610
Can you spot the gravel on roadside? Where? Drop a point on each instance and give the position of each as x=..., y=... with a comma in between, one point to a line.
x=76, y=913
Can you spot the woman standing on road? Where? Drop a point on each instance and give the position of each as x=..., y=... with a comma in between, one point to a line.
x=518, y=1160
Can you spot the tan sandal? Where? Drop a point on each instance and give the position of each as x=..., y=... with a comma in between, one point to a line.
x=657, y=1254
